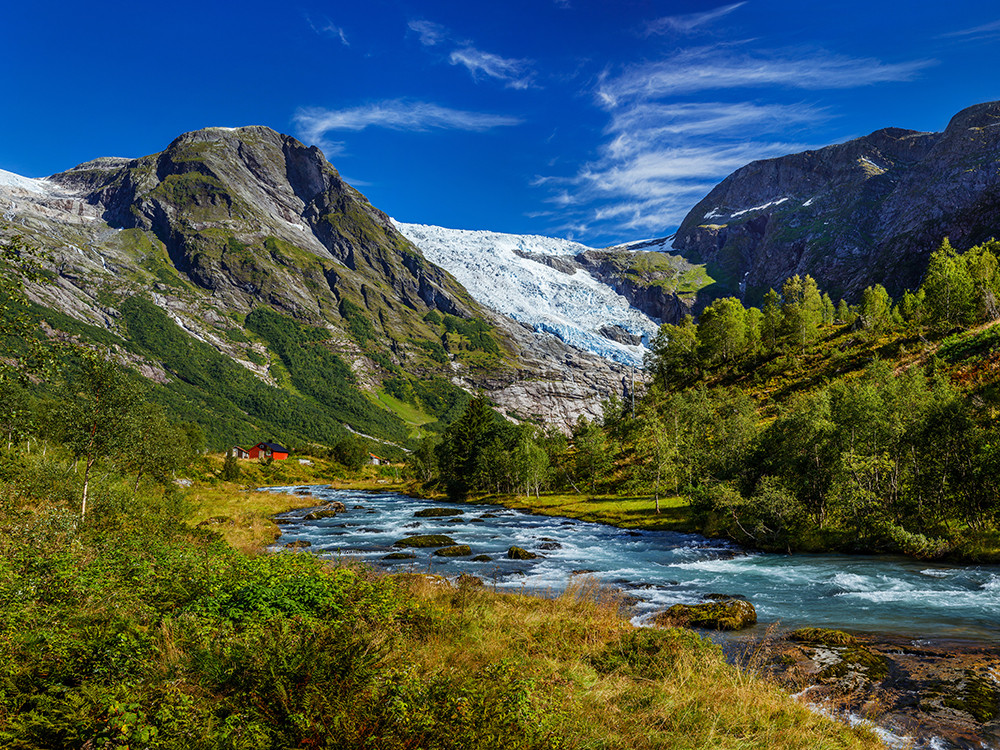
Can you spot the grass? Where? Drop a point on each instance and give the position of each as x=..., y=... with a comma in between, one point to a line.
x=600, y=683
x=413, y=416
x=626, y=512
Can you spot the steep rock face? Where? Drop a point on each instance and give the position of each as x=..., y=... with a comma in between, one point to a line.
x=235, y=208
x=867, y=211
x=652, y=289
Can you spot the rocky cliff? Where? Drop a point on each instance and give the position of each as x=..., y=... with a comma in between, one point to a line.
x=226, y=221
x=867, y=211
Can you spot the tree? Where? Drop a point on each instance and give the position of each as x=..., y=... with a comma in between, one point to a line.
x=591, y=457
x=673, y=355
x=802, y=309
x=463, y=442
x=423, y=461
x=722, y=330
x=876, y=309
x=350, y=453
x=845, y=314
x=93, y=419
x=948, y=288
x=230, y=467
x=150, y=445
x=656, y=451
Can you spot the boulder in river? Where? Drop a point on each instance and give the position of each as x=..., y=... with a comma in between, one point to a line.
x=336, y=506
x=549, y=545
x=731, y=614
x=426, y=540
x=400, y=556
x=316, y=515
x=517, y=553
x=438, y=512
x=456, y=550
x=482, y=558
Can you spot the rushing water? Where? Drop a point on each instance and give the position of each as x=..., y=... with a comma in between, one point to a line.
x=878, y=594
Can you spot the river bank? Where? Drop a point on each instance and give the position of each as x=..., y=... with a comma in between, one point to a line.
x=922, y=609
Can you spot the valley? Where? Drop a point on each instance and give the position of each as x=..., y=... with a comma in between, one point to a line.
x=792, y=400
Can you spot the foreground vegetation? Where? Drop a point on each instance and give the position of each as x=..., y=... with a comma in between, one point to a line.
x=139, y=629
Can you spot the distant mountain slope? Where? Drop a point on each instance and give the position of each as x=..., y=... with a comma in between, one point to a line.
x=228, y=224
x=867, y=211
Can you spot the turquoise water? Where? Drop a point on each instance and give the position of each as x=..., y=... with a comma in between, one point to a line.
x=879, y=594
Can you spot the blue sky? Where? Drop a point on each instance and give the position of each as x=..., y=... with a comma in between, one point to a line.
x=598, y=121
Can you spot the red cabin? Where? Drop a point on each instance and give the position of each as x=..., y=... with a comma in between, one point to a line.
x=268, y=450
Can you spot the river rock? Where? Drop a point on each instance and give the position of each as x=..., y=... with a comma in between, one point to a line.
x=400, y=556
x=456, y=550
x=336, y=506
x=298, y=544
x=319, y=514
x=438, y=512
x=732, y=614
x=426, y=540
x=549, y=545
x=517, y=553
x=482, y=558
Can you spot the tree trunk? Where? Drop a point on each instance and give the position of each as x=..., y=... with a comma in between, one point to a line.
x=86, y=488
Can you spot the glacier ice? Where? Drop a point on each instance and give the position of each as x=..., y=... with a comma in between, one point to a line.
x=500, y=273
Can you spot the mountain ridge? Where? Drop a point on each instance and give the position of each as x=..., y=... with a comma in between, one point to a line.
x=853, y=214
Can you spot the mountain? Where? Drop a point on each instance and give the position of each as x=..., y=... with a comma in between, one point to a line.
x=241, y=256
x=854, y=214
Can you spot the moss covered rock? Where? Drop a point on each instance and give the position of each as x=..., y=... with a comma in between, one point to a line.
x=482, y=558
x=822, y=636
x=316, y=515
x=426, y=540
x=438, y=512
x=517, y=553
x=732, y=614
x=456, y=550
x=400, y=556
x=857, y=662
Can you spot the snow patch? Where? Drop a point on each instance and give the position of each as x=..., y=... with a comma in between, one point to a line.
x=772, y=204
x=492, y=266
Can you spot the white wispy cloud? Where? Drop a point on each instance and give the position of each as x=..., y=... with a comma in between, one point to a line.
x=986, y=30
x=430, y=34
x=660, y=158
x=515, y=74
x=708, y=69
x=330, y=29
x=313, y=123
x=689, y=22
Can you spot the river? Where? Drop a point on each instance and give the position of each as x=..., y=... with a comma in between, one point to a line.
x=931, y=602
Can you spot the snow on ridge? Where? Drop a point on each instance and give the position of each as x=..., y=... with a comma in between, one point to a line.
x=573, y=307
x=31, y=184
x=778, y=202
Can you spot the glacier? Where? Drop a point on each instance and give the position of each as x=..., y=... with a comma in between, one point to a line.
x=499, y=271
